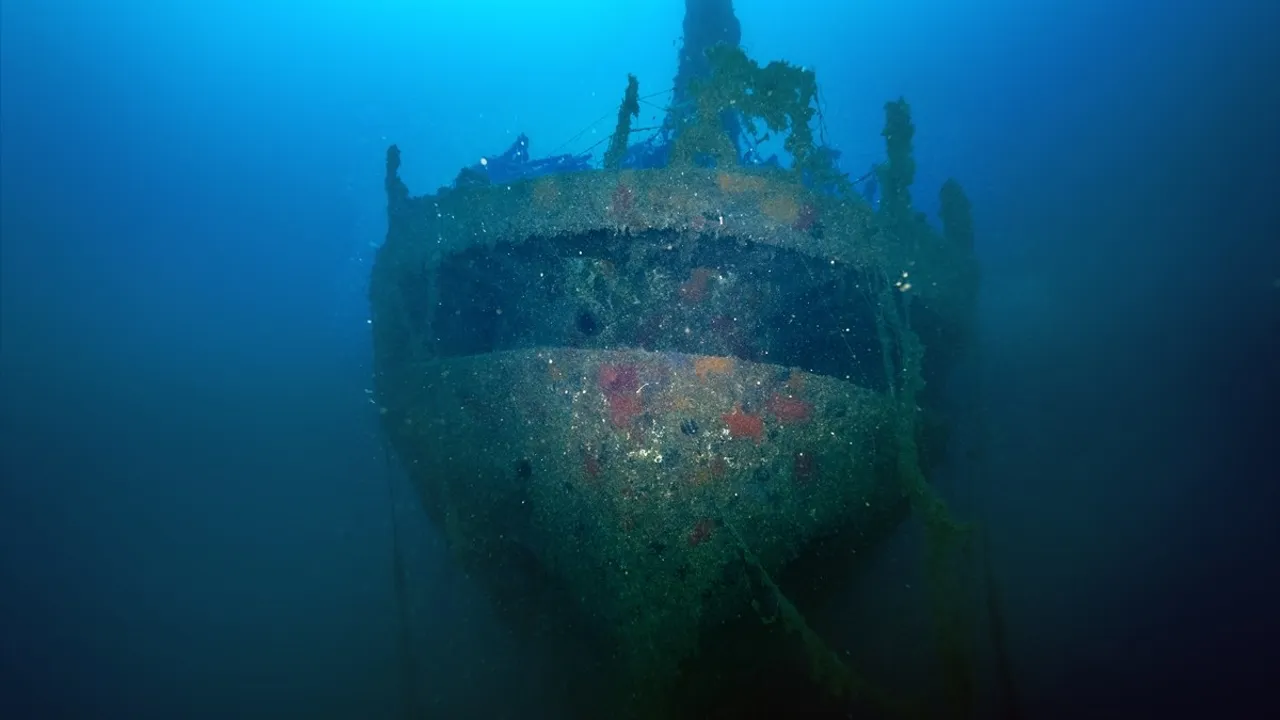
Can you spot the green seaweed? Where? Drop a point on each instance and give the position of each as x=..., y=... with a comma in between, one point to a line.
x=779, y=95
x=899, y=172
x=948, y=541
x=630, y=108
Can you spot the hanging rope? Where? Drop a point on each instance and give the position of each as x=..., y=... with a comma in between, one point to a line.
x=606, y=116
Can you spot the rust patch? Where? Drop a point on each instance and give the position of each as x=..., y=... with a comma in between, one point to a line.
x=741, y=424
x=701, y=531
x=734, y=183
x=620, y=384
x=787, y=409
x=698, y=286
x=706, y=365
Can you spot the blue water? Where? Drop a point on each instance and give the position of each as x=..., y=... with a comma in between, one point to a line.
x=195, y=519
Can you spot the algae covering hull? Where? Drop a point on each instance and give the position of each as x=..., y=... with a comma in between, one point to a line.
x=644, y=405
x=642, y=482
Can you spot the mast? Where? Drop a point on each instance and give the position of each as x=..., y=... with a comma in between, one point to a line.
x=707, y=23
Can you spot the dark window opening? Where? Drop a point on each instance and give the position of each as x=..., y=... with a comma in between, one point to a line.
x=660, y=291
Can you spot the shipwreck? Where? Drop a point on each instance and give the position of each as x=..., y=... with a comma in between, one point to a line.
x=656, y=405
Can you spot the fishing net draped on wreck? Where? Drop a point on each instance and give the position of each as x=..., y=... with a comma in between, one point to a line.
x=657, y=390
